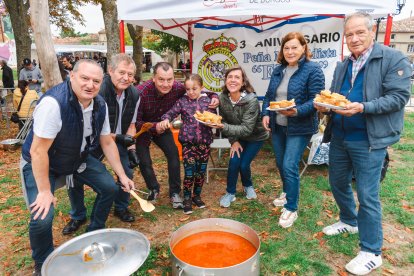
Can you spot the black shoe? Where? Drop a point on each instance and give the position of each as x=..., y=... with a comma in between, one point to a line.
x=124, y=215
x=72, y=226
x=188, y=206
x=153, y=195
x=198, y=202
x=37, y=270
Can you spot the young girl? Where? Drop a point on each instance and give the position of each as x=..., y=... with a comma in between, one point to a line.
x=194, y=137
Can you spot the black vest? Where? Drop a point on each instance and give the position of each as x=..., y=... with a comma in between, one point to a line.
x=64, y=154
x=107, y=91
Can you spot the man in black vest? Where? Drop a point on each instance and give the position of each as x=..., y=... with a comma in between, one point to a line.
x=122, y=100
x=70, y=122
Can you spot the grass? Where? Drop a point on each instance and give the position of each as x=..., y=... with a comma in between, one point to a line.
x=299, y=250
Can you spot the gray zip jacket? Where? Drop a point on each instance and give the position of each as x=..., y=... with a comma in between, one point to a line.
x=34, y=74
x=386, y=92
x=242, y=122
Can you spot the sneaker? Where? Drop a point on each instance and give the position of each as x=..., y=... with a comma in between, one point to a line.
x=188, y=206
x=280, y=201
x=198, y=202
x=226, y=200
x=287, y=218
x=176, y=201
x=153, y=195
x=250, y=193
x=339, y=228
x=364, y=263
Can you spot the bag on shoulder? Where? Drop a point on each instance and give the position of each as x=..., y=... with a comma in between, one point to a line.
x=15, y=117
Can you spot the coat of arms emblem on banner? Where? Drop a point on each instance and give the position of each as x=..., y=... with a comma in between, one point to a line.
x=217, y=60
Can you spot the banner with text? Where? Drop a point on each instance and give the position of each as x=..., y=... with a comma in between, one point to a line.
x=217, y=48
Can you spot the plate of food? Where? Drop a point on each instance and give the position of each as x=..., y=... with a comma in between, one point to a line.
x=331, y=106
x=281, y=105
x=206, y=123
x=331, y=100
x=207, y=118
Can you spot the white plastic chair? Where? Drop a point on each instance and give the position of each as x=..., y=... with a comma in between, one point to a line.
x=220, y=144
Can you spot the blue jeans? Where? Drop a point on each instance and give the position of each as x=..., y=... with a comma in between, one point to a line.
x=346, y=158
x=242, y=165
x=97, y=177
x=289, y=150
x=40, y=230
x=121, y=201
x=101, y=181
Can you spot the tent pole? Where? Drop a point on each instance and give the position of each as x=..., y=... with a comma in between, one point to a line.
x=388, y=30
x=121, y=36
x=190, y=47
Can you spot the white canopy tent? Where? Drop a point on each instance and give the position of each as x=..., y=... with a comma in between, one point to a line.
x=232, y=24
x=176, y=17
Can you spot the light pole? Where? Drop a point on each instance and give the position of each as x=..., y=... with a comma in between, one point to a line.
x=400, y=5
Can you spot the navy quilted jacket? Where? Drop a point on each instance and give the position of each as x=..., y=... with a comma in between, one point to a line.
x=304, y=84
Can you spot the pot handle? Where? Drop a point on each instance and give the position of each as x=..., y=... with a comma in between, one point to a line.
x=180, y=269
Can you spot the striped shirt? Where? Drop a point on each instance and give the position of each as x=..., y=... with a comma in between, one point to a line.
x=358, y=63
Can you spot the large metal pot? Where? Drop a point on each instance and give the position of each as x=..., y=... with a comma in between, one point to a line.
x=249, y=267
x=106, y=252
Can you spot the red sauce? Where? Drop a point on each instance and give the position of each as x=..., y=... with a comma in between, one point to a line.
x=214, y=249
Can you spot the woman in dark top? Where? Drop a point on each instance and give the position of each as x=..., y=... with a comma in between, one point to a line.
x=240, y=110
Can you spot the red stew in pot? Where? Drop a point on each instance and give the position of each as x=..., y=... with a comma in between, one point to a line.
x=214, y=249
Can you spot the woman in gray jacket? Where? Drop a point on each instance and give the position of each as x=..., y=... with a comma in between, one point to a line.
x=240, y=110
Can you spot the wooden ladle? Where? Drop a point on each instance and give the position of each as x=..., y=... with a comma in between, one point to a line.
x=146, y=206
x=144, y=128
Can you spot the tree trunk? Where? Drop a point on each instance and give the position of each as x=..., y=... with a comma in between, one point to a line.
x=136, y=33
x=18, y=14
x=110, y=16
x=39, y=11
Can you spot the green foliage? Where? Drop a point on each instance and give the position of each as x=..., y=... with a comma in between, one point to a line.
x=168, y=42
x=71, y=33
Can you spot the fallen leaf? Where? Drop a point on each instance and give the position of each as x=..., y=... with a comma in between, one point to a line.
x=152, y=272
x=184, y=218
x=390, y=259
x=342, y=273
x=408, y=230
x=328, y=211
x=390, y=240
x=322, y=242
x=318, y=235
x=388, y=271
x=320, y=223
